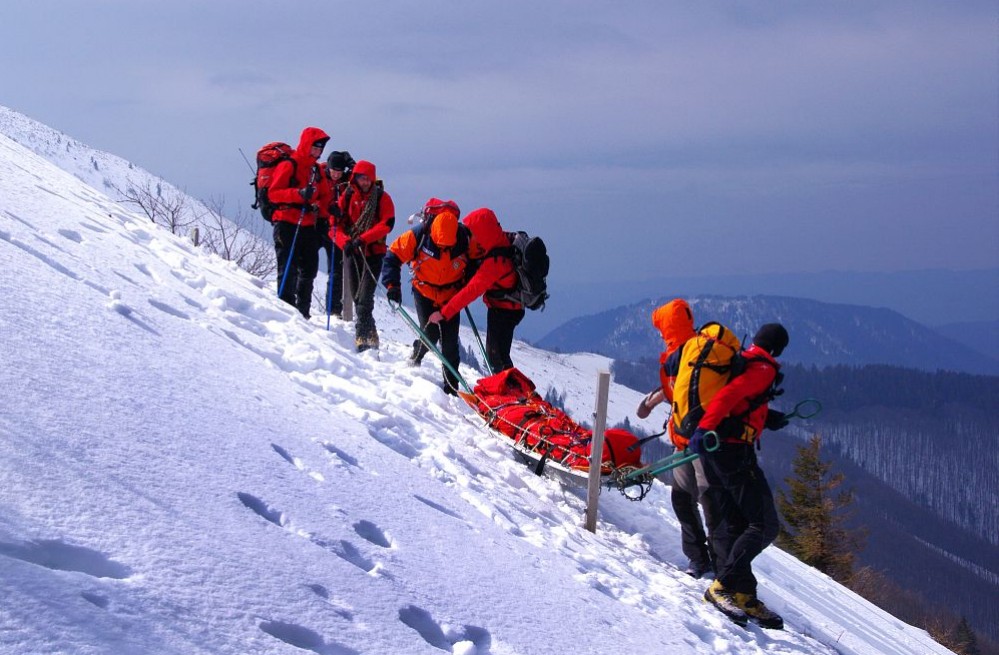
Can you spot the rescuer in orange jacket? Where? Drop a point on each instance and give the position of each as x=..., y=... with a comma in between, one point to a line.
x=493, y=279
x=437, y=252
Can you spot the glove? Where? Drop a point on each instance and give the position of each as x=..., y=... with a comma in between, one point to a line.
x=353, y=247
x=307, y=193
x=394, y=294
x=775, y=420
x=697, y=443
x=651, y=400
x=436, y=317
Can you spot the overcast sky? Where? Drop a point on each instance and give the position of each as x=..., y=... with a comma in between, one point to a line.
x=641, y=139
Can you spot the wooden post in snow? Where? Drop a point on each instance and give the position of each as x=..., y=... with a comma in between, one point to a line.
x=597, y=450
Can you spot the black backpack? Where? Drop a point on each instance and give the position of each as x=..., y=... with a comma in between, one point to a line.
x=530, y=261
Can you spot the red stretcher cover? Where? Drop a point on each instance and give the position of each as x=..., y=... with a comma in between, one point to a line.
x=510, y=404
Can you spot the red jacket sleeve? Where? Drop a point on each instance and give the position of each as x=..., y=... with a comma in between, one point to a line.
x=490, y=271
x=734, y=397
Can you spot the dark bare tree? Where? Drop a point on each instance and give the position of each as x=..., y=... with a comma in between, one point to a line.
x=233, y=239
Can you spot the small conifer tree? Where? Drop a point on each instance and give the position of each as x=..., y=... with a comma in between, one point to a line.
x=814, y=528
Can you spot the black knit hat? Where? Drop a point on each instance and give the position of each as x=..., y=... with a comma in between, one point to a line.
x=773, y=338
x=339, y=161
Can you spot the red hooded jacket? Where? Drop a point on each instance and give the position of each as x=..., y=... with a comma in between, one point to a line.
x=352, y=204
x=290, y=177
x=493, y=274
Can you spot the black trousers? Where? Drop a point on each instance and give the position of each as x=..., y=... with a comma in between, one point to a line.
x=363, y=276
x=445, y=333
x=500, y=324
x=304, y=258
x=745, y=517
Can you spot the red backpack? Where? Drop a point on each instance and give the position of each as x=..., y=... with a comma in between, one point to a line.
x=268, y=158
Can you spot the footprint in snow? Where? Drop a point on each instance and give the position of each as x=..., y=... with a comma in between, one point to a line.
x=349, y=553
x=167, y=309
x=96, y=599
x=297, y=463
x=341, y=455
x=262, y=509
x=469, y=638
x=304, y=638
x=60, y=556
x=439, y=508
x=338, y=607
x=72, y=235
x=373, y=533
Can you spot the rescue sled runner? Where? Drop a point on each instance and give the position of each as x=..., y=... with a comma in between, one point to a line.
x=510, y=405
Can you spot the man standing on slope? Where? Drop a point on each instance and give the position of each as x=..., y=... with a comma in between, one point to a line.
x=437, y=252
x=368, y=215
x=300, y=196
x=496, y=278
x=746, y=519
x=689, y=486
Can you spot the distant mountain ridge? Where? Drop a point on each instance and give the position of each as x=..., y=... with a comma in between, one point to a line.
x=822, y=334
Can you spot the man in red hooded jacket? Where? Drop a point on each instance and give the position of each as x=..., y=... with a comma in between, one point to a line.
x=494, y=279
x=746, y=520
x=367, y=215
x=301, y=196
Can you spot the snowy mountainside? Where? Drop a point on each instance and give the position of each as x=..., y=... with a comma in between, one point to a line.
x=98, y=169
x=187, y=466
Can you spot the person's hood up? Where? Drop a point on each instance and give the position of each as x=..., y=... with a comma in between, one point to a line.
x=675, y=323
x=444, y=229
x=310, y=135
x=486, y=229
x=364, y=167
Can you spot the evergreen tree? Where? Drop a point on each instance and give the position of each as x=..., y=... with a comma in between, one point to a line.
x=965, y=641
x=814, y=516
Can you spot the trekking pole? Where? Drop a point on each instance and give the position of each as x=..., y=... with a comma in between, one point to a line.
x=291, y=252
x=430, y=346
x=485, y=357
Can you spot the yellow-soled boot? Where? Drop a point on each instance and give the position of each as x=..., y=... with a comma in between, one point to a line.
x=759, y=613
x=725, y=601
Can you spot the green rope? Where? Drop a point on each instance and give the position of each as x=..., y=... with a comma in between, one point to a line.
x=430, y=346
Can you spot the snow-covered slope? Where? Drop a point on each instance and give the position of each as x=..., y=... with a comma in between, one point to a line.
x=187, y=466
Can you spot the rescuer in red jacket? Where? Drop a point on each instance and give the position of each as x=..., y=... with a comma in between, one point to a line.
x=493, y=279
x=746, y=518
x=301, y=196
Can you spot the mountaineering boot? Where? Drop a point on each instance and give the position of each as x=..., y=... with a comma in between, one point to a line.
x=725, y=601
x=416, y=357
x=698, y=570
x=367, y=342
x=759, y=613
